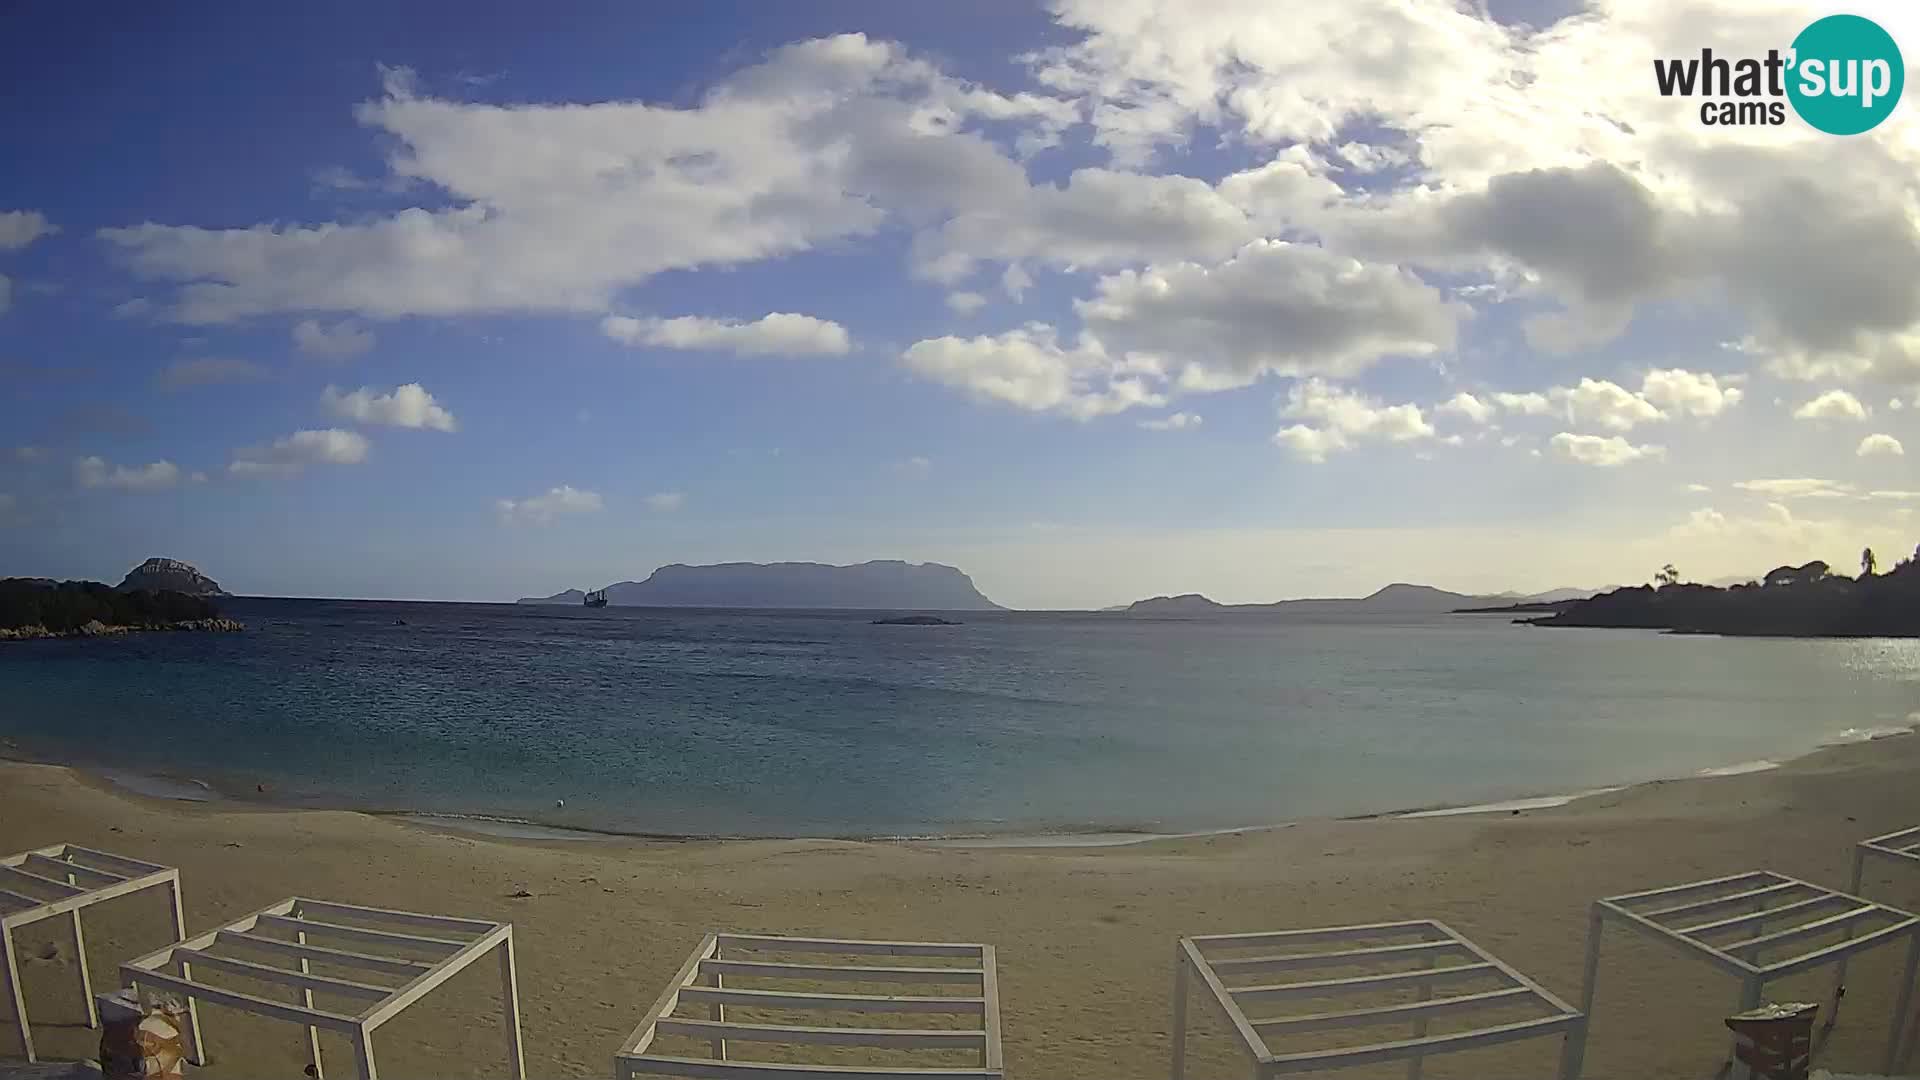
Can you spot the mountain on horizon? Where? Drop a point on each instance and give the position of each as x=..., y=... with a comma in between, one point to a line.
x=1399, y=598
x=879, y=585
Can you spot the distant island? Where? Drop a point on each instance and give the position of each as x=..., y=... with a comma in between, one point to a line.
x=171, y=575
x=1399, y=598
x=39, y=608
x=882, y=585
x=1790, y=601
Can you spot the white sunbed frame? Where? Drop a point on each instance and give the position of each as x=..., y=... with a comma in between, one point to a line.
x=1895, y=847
x=454, y=943
x=702, y=979
x=1702, y=913
x=1443, y=955
x=77, y=878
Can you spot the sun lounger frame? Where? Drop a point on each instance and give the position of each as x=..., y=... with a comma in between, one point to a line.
x=703, y=979
x=65, y=879
x=374, y=942
x=1901, y=847
x=1443, y=956
x=1726, y=921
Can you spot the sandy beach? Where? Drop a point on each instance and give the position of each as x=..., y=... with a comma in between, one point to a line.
x=1085, y=935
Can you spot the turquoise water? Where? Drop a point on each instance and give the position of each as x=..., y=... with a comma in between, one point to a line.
x=818, y=723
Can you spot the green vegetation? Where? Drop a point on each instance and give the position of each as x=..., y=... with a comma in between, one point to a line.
x=1793, y=601
x=67, y=607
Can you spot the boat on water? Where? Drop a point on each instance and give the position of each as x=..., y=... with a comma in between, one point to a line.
x=596, y=598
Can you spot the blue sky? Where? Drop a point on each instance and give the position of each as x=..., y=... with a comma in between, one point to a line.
x=1093, y=300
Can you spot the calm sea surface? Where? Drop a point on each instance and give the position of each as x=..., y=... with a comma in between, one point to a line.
x=818, y=723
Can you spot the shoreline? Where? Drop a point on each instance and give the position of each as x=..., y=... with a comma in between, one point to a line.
x=1083, y=934
x=186, y=789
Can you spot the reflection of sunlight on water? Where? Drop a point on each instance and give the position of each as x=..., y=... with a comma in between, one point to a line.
x=1887, y=657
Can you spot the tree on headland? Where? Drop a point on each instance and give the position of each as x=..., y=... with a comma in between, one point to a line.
x=1667, y=576
x=1867, y=563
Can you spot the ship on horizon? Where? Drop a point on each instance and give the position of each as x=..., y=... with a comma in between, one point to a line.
x=596, y=598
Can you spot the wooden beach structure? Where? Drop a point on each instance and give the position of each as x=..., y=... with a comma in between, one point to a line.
x=1759, y=927
x=390, y=960
x=1400, y=967
x=65, y=879
x=922, y=1010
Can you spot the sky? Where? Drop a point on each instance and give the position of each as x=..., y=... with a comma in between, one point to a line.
x=1095, y=300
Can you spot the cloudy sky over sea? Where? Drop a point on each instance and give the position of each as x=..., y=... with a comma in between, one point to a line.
x=1095, y=300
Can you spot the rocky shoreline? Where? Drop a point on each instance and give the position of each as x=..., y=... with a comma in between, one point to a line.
x=96, y=628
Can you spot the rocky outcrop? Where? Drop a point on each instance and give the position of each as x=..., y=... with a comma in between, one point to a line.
x=96, y=628
x=171, y=575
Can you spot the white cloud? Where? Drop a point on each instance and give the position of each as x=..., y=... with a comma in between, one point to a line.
x=965, y=303
x=1832, y=405
x=327, y=446
x=1604, y=404
x=1465, y=404
x=1274, y=308
x=18, y=228
x=1528, y=404
x=1689, y=393
x=1894, y=496
x=1344, y=417
x=1880, y=445
x=1796, y=488
x=1601, y=451
x=409, y=406
x=558, y=207
x=778, y=334
x=1173, y=422
x=337, y=342
x=666, y=501
x=95, y=472
x=209, y=369
x=1029, y=368
x=542, y=509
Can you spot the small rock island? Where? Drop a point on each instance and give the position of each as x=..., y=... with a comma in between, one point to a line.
x=915, y=620
x=42, y=608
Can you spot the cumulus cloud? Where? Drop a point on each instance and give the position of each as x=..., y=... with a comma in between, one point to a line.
x=1275, y=307
x=557, y=207
x=1527, y=404
x=1172, y=422
x=1880, y=446
x=1601, y=451
x=1832, y=405
x=543, y=509
x=209, y=369
x=1796, y=488
x=409, y=406
x=1604, y=404
x=965, y=303
x=18, y=228
x=1466, y=405
x=327, y=446
x=779, y=334
x=337, y=342
x=1030, y=369
x=1340, y=418
x=96, y=472
x=1689, y=393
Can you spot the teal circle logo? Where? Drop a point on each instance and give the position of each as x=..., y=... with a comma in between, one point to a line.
x=1846, y=74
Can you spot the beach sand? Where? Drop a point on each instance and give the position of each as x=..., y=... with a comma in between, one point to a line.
x=1085, y=935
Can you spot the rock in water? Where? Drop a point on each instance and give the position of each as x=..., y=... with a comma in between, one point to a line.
x=171, y=574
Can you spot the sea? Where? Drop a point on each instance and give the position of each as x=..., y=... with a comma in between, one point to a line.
x=683, y=722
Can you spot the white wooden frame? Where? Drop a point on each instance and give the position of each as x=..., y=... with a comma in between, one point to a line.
x=378, y=944
x=1725, y=921
x=1438, y=955
x=703, y=980
x=61, y=880
x=1896, y=847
